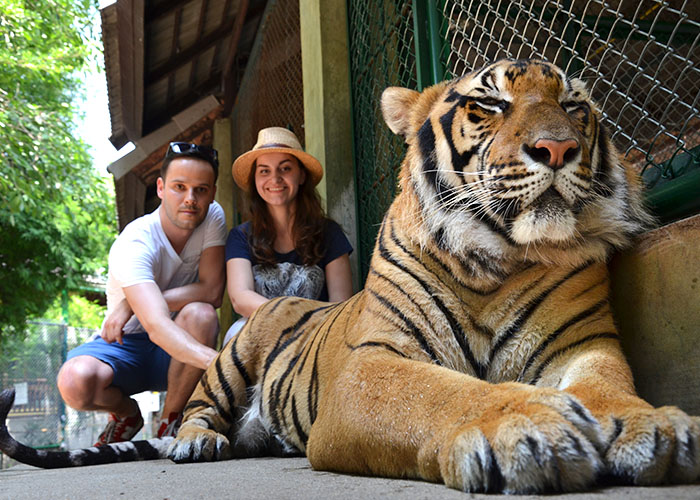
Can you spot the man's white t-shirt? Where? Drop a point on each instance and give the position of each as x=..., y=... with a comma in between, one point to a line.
x=142, y=253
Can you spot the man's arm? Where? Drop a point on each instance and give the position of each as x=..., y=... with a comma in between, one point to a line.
x=209, y=288
x=152, y=310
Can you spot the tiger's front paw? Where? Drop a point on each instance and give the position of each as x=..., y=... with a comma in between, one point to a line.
x=653, y=446
x=550, y=442
x=196, y=444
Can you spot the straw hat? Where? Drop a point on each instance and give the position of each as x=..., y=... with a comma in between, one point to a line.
x=274, y=140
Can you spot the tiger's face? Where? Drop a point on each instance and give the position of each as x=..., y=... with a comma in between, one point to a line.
x=513, y=156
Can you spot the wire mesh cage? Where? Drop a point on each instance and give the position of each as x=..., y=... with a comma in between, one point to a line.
x=381, y=55
x=640, y=58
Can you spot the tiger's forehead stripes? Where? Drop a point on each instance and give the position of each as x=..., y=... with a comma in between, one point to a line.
x=507, y=78
x=487, y=81
x=517, y=69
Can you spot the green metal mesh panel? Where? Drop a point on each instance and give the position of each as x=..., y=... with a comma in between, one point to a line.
x=381, y=55
x=639, y=57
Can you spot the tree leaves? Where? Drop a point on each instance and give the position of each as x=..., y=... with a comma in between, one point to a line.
x=56, y=212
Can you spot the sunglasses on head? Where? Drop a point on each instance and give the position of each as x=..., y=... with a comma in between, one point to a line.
x=188, y=149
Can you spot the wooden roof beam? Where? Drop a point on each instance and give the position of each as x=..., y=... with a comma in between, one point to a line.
x=155, y=12
x=173, y=54
x=194, y=95
x=130, y=22
x=226, y=78
x=200, y=30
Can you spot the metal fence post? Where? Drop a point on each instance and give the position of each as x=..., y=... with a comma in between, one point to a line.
x=62, y=417
x=426, y=28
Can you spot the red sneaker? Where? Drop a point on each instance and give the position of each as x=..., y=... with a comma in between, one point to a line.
x=120, y=429
x=169, y=426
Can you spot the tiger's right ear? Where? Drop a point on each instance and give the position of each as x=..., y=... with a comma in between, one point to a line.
x=397, y=103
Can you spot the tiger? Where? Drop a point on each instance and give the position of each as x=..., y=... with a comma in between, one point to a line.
x=482, y=351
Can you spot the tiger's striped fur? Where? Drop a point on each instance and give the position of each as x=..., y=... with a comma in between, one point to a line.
x=482, y=352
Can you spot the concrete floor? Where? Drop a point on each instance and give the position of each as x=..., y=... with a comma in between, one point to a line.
x=259, y=478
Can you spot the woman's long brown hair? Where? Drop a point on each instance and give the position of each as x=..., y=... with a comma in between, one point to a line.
x=309, y=224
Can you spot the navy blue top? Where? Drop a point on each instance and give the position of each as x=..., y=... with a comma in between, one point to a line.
x=290, y=276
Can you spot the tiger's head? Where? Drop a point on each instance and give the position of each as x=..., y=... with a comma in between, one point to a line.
x=512, y=160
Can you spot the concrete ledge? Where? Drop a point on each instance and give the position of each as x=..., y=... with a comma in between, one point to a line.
x=656, y=299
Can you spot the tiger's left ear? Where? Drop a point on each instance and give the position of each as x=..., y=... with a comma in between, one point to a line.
x=397, y=103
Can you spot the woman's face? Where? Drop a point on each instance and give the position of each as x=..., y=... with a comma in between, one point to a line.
x=278, y=177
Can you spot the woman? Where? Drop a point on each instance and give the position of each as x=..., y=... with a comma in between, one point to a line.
x=289, y=247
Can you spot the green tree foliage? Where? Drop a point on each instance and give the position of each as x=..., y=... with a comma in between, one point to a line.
x=82, y=312
x=56, y=212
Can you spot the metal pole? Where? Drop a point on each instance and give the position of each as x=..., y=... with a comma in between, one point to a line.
x=426, y=36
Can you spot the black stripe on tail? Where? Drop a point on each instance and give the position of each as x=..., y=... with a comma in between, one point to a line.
x=128, y=451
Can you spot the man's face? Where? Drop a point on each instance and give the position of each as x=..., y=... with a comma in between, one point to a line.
x=187, y=191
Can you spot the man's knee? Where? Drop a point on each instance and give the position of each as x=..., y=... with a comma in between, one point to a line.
x=80, y=378
x=200, y=321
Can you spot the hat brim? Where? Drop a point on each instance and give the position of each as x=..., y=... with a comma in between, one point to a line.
x=243, y=165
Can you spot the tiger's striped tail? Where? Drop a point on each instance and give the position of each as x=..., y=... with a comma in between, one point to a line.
x=129, y=451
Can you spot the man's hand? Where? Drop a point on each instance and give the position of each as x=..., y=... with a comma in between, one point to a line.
x=113, y=327
x=153, y=313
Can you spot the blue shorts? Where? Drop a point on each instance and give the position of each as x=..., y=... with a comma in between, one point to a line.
x=139, y=365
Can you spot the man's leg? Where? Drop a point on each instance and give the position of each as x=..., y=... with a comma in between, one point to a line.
x=85, y=384
x=199, y=320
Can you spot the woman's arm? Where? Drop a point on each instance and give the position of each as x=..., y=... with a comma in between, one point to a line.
x=339, y=279
x=241, y=287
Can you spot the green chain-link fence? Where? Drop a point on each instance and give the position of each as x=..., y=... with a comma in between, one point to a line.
x=381, y=55
x=639, y=57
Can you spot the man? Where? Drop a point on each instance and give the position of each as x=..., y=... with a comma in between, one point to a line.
x=166, y=278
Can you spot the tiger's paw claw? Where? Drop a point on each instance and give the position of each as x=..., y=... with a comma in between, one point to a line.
x=554, y=447
x=199, y=445
x=653, y=446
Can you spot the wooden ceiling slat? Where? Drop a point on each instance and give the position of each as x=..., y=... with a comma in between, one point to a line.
x=162, y=9
x=184, y=56
x=173, y=53
x=200, y=30
x=219, y=46
x=227, y=78
x=156, y=121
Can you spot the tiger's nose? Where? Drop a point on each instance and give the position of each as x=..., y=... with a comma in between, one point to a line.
x=554, y=153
